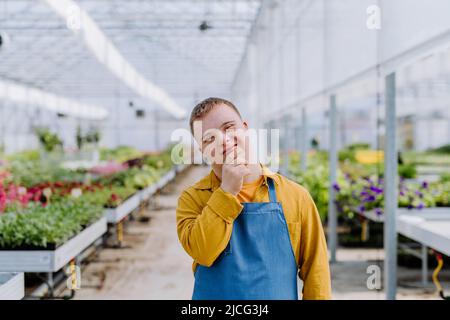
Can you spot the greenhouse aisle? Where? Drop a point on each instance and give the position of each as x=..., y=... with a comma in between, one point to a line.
x=153, y=265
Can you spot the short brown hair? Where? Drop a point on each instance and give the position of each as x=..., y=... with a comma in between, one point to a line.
x=205, y=106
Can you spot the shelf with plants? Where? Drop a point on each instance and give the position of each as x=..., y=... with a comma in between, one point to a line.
x=47, y=211
x=359, y=193
x=359, y=187
x=365, y=196
x=12, y=285
x=37, y=237
x=145, y=175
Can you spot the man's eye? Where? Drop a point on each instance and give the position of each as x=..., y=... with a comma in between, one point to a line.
x=209, y=140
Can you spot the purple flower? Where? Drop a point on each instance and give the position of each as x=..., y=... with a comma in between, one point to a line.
x=362, y=209
x=363, y=193
x=419, y=194
x=402, y=193
x=421, y=206
x=336, y=187
x=425, y=185
x=378, y=211
x=376, y=190
x=370, y=198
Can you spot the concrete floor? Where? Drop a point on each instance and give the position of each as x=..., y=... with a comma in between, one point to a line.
x=153, y=265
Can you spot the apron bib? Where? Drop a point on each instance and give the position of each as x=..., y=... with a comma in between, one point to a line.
x=258, y=262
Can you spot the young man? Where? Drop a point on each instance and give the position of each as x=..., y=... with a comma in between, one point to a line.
x=250, y=231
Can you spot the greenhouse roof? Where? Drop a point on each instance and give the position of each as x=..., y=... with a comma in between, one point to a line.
x=170, y=44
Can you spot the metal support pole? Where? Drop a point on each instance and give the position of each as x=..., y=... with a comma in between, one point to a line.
x=285, y=167
x=51, y=284
x=332, y=214
x=390, y=189
x=304, y=141
x=424, y=265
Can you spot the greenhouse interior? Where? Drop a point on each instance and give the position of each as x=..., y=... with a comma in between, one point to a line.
x=106, y=193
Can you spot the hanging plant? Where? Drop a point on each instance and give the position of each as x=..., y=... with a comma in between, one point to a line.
x=48, y=140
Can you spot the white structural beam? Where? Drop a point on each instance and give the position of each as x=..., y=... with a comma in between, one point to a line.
x=390, y=190
x=432, y=46
x=304, y=141
x=106, y=53
x=28, y=96
x=333, y=159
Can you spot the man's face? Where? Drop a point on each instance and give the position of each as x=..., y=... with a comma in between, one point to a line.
x=222, y=136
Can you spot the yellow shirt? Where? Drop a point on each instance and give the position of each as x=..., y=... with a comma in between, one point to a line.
x=205, y=216
x=248, y=190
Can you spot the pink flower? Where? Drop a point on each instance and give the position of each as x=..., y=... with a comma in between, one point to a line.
x=108, y=168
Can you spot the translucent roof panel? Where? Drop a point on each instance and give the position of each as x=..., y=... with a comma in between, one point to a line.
x=188, y=48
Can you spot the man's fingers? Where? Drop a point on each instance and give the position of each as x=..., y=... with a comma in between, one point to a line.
x=243, y=169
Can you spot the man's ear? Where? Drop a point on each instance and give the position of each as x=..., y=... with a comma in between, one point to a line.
x=245, y=123
x=197, y=145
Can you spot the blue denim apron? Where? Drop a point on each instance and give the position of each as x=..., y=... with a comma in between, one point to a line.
x=258, y=262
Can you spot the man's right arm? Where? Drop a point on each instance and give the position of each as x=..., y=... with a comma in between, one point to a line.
x=204, y=231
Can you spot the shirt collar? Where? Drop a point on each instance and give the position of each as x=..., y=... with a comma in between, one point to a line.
x=211, y=181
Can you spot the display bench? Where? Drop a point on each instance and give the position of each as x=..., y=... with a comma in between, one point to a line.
x=51, y=260
x=430, y=226
x=12, y=286
x=115, y=215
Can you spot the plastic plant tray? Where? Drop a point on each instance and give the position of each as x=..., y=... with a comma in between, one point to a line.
x=117, y=214
x=148, y=192
x=51, y=260
x=169, y=176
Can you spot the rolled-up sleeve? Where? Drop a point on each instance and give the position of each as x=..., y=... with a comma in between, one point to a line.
x=204, y=230
x=314, y=265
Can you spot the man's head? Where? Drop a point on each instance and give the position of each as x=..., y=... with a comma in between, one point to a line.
x=219, y=129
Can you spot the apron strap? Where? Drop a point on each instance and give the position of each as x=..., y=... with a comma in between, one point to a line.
x=272, y=193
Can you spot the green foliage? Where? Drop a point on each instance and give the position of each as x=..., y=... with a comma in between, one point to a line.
x=445, y=177
x=120, y=154
x=39, y=226
x=445, y=149
x=109, y=197
x=24, y=156
x=407, y=171
x=29, y=173
x=426, y=158
x=92, y=136
x=360, y=185
x=48, y=140
x=358, y=146
x=348, y=153
x=441, y=193
x=315, y=180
